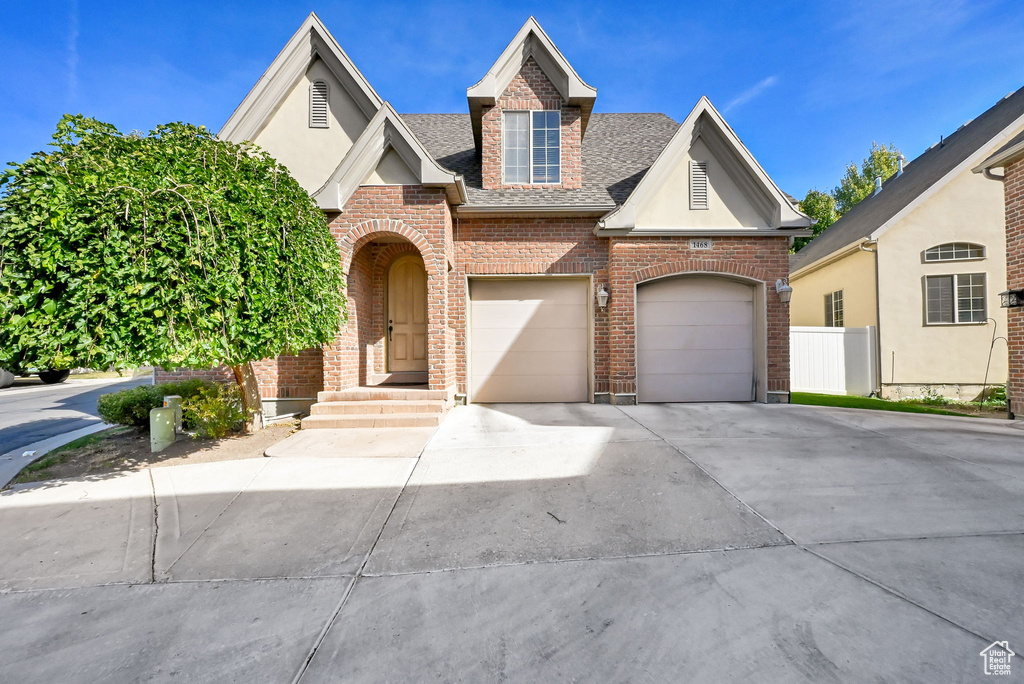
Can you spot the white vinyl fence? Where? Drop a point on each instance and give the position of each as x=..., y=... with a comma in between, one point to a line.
x=832, y=360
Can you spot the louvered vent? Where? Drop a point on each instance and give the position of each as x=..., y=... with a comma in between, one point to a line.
x=318, y=105
x=698, y=185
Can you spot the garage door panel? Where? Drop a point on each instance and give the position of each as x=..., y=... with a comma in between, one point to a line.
x=529, y=340
x=698, y=361
x=697, y=290
x=524, y=388
x=696, y=387
x=529, y=363
x=695, y=340
x=697, y=337
x=504, y=290
x=695, y=313
x=528, y=314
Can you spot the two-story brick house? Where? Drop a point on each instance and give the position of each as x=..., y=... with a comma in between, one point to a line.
x=529, y=250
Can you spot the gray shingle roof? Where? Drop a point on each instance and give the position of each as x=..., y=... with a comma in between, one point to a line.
x=917, y=177
x=617, y=151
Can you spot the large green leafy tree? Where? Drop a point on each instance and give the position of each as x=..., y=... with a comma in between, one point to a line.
x=173, y=248
x=857, y=183
x=820, y=206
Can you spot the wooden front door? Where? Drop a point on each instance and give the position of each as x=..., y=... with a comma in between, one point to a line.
x=407, y=315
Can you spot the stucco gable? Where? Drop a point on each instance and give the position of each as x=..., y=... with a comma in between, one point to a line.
x=312, y=41
x=741, y=195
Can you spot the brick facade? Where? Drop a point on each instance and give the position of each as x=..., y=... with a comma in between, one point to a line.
x=289, y=376
x=531, y=90
x=632, y=261
x=1013, y=187
x=375, y=217
x=380, y=224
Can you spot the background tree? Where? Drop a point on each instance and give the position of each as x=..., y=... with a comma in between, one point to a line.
x=856, y=184
x=820, y=206
x=172, y=249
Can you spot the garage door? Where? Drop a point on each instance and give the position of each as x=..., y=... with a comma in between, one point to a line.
x=695, y=340
x=528, y=340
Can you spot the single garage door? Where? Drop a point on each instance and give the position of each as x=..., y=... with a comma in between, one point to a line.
x=695, y=340
x=528, y=340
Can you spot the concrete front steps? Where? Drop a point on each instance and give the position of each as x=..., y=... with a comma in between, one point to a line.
x=378, y=407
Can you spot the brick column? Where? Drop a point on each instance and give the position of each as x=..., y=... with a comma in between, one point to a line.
x=1013, y=187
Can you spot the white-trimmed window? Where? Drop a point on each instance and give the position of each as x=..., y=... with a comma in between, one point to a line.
x=958, y=298
x=532, y=147
x=955, y=251
x=319, y=105
x=834, y=309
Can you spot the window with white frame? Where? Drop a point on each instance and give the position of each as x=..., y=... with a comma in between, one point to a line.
x=834, y=309
x=955, y=251
x=958, y=298
x=532, y=146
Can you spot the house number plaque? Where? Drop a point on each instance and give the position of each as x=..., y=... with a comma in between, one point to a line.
x=701, y=243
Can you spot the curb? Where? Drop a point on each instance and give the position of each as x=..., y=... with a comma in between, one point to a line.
x=12, y=462
x=95, y=382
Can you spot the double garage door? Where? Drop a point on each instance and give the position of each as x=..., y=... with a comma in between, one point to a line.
x=529, y=340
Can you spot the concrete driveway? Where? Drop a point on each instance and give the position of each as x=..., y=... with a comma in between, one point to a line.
x=538, y=543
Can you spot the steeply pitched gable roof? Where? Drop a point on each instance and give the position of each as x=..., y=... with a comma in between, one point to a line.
x=616, y=153
x=386, y=131
x=312, y=41
x=900, y=193
x=531, y=41
x=706, y=122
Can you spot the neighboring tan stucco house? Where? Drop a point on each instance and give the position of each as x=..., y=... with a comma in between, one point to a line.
x=1010, y=161
x=923, y=259
x=528, y=250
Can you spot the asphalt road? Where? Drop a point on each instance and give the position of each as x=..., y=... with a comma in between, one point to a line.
x=31, y=411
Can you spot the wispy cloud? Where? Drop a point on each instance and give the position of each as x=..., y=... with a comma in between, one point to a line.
x=750, y=93
x=73, y=53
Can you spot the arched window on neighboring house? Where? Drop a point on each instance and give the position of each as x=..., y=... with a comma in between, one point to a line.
x=318, y=105
x=955, y=298
x=955, y=251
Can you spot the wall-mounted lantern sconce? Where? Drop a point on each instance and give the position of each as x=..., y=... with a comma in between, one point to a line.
x=1011, y=299
x=602, y=297
x=783, y=288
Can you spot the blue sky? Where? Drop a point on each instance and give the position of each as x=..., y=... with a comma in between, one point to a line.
x=807, y=85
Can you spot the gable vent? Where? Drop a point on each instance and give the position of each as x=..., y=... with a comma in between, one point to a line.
x=318, y=105
x=698, y=185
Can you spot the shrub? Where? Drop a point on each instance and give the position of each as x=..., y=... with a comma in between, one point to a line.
x=132, y=406
x=215, y=411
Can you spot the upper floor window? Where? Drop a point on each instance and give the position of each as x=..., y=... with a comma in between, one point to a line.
x=834, y=309
x=532, y=147
x=318, y=105
x=955, y=251
x=958, y=298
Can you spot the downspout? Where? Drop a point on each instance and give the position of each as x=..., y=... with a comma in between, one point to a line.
x=878, y=317
x=992, y=176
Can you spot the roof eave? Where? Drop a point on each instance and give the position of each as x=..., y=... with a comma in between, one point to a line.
x=582, y=211
x=1001, y=159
